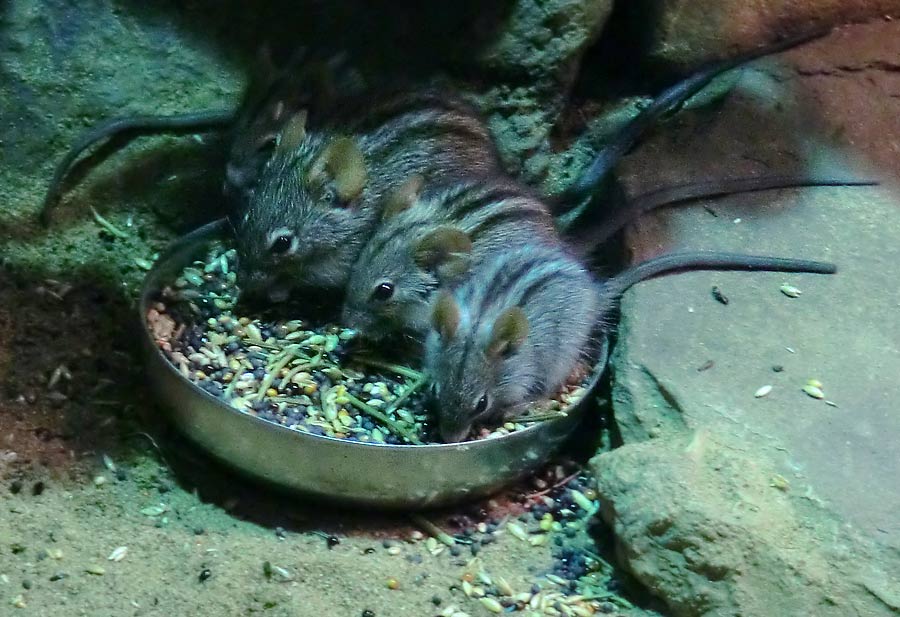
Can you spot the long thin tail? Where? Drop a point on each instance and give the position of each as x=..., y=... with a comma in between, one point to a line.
x=665, y=104
x=710, y=260
x=199, y=121
x=588, y=237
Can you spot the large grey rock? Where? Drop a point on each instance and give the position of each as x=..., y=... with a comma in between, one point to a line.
x=702, y=522
x=829, y=109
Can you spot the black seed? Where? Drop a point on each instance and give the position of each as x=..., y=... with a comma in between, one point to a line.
x=332, y=541
x=15, y=487
x=368, y=613
x=436, y=600
x=38, y=488
x=777, y=368
x=204, y=575
x=26, y=584
x=719, y=296
x=58, y=576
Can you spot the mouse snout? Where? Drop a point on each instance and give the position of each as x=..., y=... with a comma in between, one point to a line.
x=453, y=430
x=261, y=287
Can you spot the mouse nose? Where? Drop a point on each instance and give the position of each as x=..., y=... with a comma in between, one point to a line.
x=452, y=431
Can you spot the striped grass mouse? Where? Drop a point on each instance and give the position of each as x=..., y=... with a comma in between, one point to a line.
x=429, y=239
x=520, y=324
x=319, y=196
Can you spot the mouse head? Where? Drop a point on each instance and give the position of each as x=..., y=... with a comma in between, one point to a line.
x=393, y=282
x=305, y=85
x=467, y=356
x=304, y=225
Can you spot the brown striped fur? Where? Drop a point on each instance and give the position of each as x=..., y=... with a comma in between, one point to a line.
x=424, y=133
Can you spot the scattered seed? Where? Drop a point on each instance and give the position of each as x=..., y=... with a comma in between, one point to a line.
x=538, y=540
x=393, y=583
x=790, y=291
x=118, y=553
x=19, y=601
x=813, y=391
x=108, y=463
x=777, y=368
x=831, y=403
x=780, y=482
x=491, y=604
x=204, y=575
x=154, y=510
x=95, y=570
x=719, y=296
x=504, y=587
x=394, y=550
x=553, y=578
x=585, y=503
x=105, y=224
x=705, y=366
x=815, y=383
x=763, y=391
x=517, y=530
x=433, y=529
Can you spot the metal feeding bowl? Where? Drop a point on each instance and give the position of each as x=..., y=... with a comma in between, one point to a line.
x=350, y=472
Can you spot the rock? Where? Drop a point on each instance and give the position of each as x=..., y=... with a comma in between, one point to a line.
x=817, y=476
x=541, y=39
x=685, y=33
x=535, y=58
x=699, y=523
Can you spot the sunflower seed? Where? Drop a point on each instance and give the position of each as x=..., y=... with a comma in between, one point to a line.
x=118, y=553
x=813, y=391
x=763, y=391
x=491, y=604
x=790, y=291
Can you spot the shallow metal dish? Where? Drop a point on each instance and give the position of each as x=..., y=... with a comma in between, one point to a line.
x=380, y=475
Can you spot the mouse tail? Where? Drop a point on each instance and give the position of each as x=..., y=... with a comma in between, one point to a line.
x=189, y=122
x=587, y=237
x=710, y=260
x=571, y=200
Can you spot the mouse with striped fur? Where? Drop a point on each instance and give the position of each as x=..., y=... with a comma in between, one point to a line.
x=320, y=195
x=518, y=326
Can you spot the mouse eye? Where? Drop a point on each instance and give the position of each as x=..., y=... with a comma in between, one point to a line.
x=482, y=405
x=383, y=291
x=281, y=244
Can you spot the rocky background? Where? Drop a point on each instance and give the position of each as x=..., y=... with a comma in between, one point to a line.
x=721, y=503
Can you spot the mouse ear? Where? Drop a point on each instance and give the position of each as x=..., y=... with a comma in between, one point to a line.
x=508, y=333
x=345, y=163
x=404, y=197
x=294, y=132
x=446, y=251
x=445, y=317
